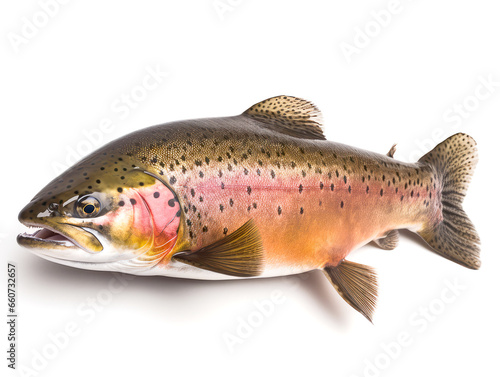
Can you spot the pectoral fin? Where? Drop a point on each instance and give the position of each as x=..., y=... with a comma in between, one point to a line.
x=238, y=254
x=356, y=284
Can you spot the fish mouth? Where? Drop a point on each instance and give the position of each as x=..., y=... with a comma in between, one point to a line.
x=46, y=238
x=59, y=236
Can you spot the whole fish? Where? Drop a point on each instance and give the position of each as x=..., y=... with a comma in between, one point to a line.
x=255, y=195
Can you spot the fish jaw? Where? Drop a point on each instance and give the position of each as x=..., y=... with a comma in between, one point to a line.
x=52, y=237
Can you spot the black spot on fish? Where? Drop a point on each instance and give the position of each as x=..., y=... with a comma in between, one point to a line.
x=156, y=195
x=225, y=231
x=381, y=192
x=121, y=203
x=300, y=188
x=279, y=210
x=249, y=190
x=245, y=171
x=192, y=193
x=231, y=202
x=341, y=204
x=321, y=185
x=367, y=189
x=402, y=197
x=201, y=198
x=332, y=187
x=172, y=180
x=254, y=205
x=411, y=194
x=98, y=181
x=345, y=179
x=303, y=173
x=301, y=210
x=205, y=229
x=171, y=203
x=133, y=202
x=349, y=189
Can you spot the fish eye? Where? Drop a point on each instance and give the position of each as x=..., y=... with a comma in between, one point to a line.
x=88, y=206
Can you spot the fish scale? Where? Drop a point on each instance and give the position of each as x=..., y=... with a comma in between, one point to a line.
x=255, y=195
x=279, y=191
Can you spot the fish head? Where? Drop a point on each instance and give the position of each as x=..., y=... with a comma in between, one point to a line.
x=103, y=215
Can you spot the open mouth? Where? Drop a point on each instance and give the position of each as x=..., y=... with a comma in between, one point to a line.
x=45, y=238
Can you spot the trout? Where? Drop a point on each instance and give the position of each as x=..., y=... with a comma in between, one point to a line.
x=254, y=195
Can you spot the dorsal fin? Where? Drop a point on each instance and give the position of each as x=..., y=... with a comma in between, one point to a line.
x=238, y=254
x=289, y=115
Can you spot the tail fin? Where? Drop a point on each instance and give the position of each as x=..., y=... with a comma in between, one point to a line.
x=453, y=236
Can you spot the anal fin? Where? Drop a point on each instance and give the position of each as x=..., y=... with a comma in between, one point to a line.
x=356, y=284
x=238, y=254
x=389, y=242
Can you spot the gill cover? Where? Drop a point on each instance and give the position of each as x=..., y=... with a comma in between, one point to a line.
x=156, y=210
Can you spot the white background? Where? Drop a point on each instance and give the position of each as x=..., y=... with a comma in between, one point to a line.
x=62, y=80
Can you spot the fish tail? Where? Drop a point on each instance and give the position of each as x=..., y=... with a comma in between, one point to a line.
x=448, y=230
